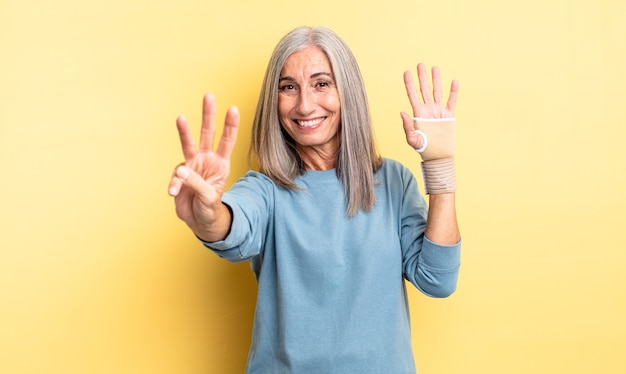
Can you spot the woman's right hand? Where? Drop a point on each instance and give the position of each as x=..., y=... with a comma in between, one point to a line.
x=197, y=184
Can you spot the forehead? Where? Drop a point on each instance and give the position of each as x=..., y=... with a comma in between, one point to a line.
x=308, y=61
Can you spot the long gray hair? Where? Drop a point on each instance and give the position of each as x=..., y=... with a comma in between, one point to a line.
x=357, y=157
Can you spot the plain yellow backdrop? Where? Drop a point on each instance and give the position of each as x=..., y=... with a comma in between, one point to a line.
x=97, y=275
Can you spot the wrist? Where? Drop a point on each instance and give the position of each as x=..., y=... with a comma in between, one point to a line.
x=439, y=176
x=216, y=229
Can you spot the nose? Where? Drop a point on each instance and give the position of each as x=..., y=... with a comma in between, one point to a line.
x=306, y=102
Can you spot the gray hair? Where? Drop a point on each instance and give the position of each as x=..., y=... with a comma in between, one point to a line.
x=357, y=157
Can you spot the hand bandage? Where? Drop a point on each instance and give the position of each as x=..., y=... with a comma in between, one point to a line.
x=439, y=137
x=437, y=153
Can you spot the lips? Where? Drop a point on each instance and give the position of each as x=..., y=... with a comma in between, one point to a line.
x=311, y=123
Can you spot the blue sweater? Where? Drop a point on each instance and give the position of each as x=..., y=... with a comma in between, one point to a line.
x=331, y=290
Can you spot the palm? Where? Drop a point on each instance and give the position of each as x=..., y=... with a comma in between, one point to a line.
x=191, y=205
x=212, y=168
x=430, y=105
x=195, y=202
x=432, y=110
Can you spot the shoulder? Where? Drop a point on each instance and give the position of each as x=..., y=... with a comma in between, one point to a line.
x=395, y=178
x=253, y=192
x=253, y=184
x=254, y=178
x=394, y=169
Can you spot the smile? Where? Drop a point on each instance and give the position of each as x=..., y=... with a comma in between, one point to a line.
x=311, y=122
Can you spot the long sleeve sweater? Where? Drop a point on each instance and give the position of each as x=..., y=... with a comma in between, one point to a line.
x=331, y=288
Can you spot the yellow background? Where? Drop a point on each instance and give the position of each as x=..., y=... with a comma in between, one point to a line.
x=97, y=275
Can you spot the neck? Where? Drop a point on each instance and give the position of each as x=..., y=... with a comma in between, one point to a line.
x=318, y=159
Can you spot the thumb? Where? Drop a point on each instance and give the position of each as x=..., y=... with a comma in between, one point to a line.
x=193, y=181
x=407, y=123
x=414, y=138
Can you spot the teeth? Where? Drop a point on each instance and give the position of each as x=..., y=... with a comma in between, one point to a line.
x=310, y=123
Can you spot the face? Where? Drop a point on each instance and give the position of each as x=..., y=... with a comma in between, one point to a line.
x=308, y=102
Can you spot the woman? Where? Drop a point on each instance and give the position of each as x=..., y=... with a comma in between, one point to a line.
x=330, y=228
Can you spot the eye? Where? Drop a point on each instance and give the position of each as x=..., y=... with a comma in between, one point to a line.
x=323, y=85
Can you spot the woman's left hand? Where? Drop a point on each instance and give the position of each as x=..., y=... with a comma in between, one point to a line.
x=430, y=105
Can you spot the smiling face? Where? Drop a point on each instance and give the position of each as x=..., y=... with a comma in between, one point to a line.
x=309, y=107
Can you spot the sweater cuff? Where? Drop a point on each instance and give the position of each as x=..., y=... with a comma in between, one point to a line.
x=441, y=257
x=229, y=248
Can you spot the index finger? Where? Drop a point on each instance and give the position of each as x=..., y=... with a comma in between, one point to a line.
x=186, y=139
x=411, y=92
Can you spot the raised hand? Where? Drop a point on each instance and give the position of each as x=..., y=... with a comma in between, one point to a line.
x=198, y=184
x=430, y=106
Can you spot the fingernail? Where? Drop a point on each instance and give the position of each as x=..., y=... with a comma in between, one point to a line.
x=173, y=191
x=182, y=172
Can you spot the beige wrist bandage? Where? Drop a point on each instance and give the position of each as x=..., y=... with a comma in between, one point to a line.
x=439, y=176
x=437, y=154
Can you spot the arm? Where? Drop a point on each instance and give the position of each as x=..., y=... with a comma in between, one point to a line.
x=441, y=224
x=197, y=184
x=441, y=227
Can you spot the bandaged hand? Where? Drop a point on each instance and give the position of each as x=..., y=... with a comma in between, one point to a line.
x=432, y=130
x=438, y=137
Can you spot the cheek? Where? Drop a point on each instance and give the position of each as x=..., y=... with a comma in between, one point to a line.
x=283, y=115
x=283, y=107
x=331, y=102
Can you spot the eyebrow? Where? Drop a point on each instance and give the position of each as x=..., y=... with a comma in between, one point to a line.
x=316, y=75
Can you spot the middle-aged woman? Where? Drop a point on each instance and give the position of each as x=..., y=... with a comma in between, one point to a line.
x=330, y=228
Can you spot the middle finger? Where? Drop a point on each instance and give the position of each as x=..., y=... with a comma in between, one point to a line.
x=207, y=131
x=436, y=84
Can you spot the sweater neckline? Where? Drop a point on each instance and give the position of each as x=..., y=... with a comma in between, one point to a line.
x=320, y=175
